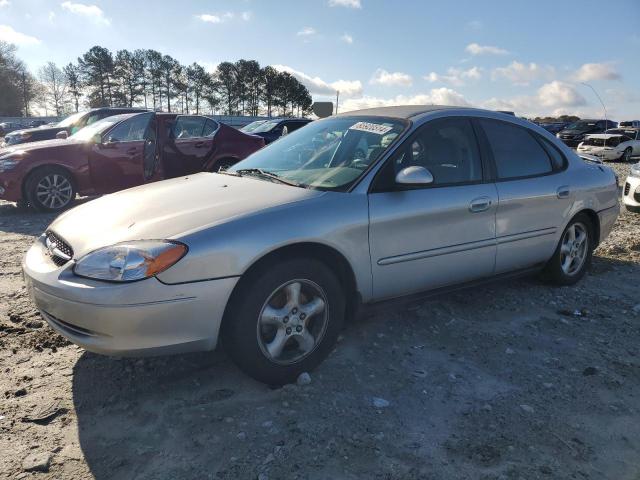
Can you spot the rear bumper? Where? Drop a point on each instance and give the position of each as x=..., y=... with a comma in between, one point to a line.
x=607, y=219
x=132, y=319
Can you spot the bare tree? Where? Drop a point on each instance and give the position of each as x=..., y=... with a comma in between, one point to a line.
x=55, y=87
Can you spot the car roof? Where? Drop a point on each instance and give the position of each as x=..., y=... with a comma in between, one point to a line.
x=400, y=111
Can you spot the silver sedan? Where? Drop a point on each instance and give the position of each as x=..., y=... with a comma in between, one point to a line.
x=273, y=254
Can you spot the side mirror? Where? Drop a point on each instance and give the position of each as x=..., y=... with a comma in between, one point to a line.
x=414, y=175
x=62, y=135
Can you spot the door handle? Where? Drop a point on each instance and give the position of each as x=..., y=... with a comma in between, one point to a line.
x=480, y=204
x=132, y=151
x=199, y=144
x=563, y=191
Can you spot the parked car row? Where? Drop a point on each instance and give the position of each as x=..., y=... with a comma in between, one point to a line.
x=116, y=152
x=272, y=254
x=615, y=144
x=575, y=133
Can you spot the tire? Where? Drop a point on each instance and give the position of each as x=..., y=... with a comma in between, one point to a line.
x=556, y=270
x=262, y=314
x=50, y=189
x=626, y=155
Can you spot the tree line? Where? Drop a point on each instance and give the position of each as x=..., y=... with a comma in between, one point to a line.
x=149, y=79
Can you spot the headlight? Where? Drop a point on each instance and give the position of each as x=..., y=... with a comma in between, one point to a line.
x=635, y=171
x=130, y=261
x=7, y=163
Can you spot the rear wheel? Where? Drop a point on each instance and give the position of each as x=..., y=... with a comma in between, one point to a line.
x=626, y=155
x=573, y=254
x=284, y=320
x=50, y=189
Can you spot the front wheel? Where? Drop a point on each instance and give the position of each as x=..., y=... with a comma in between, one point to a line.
x=50, y=189
x=626, y=155
x=284, y=320
x=573, y=254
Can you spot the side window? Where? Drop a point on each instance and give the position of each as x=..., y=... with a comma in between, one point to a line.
x=94, y=117
x=447, y=148
x=515, y=151
x=188, y=127
x=209, y=128
x=131, y=130
x=557, y=158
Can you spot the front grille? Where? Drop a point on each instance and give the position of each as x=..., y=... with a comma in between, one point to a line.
x=627, y=187
x=54, y=242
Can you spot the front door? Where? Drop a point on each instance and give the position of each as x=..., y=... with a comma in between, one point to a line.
x=534, y=194
x=118, y=161
x=438, y=234
x=189, y=146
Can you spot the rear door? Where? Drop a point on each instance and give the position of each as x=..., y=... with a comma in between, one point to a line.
x=534, y=194
x=118, y=162
x=438, y=234
x=189, y=146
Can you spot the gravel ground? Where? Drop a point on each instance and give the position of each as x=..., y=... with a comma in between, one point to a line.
x=512, y=380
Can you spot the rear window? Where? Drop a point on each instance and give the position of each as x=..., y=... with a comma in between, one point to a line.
x=515, y=151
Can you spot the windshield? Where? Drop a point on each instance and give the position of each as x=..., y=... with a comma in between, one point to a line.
x=252, y=126
x=266, y=126
x=328, y=154
x=70, y=120
x=87, y=133
x=581, y=126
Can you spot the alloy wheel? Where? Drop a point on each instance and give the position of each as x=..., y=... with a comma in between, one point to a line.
x=54, y=191
x=292, y=321
x=574, y=248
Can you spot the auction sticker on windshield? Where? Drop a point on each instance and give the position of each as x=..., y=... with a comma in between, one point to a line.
x=371, y=127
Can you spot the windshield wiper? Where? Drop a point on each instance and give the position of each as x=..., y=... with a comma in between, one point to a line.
x=263, y=173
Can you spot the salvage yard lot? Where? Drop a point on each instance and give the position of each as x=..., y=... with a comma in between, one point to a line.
x=509, y=380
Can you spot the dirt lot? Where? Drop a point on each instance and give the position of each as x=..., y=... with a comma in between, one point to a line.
x=512, y=380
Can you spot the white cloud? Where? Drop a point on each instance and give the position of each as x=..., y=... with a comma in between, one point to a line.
x=315, y=85
x=596, y=71
x=346, y=38
x=246, y=16
x=382, y=77
x=455, y=76
x=475, y=49
x=437, y=96
x=345, y=3
x=307, y=32
x=211, y=18
x=523, y=74
x=4, y=3
x=9, y=35
x=553, y=98
x=93, y=12
x=51, y=16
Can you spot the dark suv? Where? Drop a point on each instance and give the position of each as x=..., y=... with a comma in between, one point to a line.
x=70, y=125
x=274, y=129
x=574, y=133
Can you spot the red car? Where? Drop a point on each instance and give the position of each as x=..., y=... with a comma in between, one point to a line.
x=118, y=152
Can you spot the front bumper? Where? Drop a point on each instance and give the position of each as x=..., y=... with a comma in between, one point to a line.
x=631, y=194
x=602, y=154
x=146, y=317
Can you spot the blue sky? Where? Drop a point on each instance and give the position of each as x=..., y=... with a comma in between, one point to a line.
x=526, y=56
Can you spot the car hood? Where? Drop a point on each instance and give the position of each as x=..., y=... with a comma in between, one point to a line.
x=170, y=209
x=24, y=150
x=52, y=130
